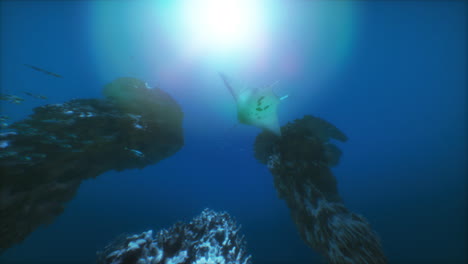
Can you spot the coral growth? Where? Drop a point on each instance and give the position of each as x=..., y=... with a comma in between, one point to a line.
x=211, y=237
x=300, y=162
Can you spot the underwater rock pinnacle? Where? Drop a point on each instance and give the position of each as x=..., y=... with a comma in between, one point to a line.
x=300, y=162
x=211, y=237
x=44, y=158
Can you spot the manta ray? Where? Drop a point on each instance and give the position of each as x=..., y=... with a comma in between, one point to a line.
x=255, y=106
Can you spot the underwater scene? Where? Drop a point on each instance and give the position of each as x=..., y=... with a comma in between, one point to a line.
x=233, y=132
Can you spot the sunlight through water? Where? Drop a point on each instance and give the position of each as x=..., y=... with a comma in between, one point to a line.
x=181, y=45
x=222, y=26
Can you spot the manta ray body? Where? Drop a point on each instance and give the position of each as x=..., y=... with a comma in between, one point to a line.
x=255, y=106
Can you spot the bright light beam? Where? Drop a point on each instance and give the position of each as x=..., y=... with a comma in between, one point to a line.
x=221, y=25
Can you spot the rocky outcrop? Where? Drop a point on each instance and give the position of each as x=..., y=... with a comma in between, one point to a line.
x=300, y=162
x=44, y=158
x=211, y=237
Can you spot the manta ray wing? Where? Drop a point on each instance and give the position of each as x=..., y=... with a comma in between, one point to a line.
x=256, y=107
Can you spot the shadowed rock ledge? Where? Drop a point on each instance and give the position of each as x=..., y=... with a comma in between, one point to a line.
x=300, y=162
x=44, y=158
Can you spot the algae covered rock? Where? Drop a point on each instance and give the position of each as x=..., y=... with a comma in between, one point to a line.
x=211, y=237
x=300, y=162
x=44, y=158
x=133, y=96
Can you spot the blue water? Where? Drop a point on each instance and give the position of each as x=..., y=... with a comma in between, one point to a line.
x=398, y=90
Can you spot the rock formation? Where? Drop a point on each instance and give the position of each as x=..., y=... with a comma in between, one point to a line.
x=211, y=237
x=300, y=162
x=44, y=158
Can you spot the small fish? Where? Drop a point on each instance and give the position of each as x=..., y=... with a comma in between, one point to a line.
x=259, y=101
x=6, y=134
x=43, y=71
x=136, y=152
x=4, y=144
x=11, y=98
x=37, y=96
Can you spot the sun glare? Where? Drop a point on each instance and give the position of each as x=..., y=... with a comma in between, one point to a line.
x=221, y=24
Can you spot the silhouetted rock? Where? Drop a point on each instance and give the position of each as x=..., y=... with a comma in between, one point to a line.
x=44, y=158
x=300, y=162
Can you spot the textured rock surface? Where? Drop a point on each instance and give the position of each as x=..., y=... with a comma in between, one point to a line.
x=44, y=158
x=300, y=162
x=210, y=238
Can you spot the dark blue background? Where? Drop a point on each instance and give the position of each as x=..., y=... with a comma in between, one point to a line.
x=400, y=98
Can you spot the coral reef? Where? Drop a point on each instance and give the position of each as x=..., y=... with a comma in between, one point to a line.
x=211, y=237
x=44, y=158
x=300, y=161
